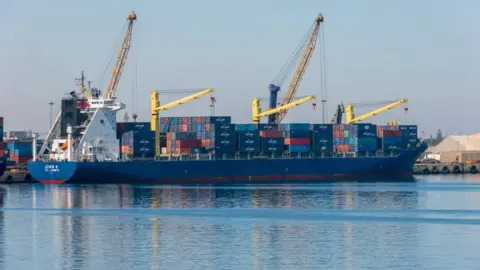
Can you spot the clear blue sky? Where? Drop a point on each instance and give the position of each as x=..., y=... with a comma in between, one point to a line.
x=376, y=50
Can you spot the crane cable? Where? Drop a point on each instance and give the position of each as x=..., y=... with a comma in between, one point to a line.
x=101, y=79
x=323, y=75
x=293, y=59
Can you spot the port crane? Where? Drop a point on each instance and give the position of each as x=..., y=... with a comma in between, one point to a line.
x=350, y=115
x=257, y=113
x=307, y=45
x=98, y=132
x=156, y=108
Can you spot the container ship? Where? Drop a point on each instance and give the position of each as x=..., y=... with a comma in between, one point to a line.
x=198, y=150
x=86, y=145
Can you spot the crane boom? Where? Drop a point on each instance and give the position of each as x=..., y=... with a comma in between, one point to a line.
x=297, y=78
x=351, y=116
x=121, y=58
x=156, y=107
x=257, y=114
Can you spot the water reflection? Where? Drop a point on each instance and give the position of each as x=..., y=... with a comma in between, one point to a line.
x=3, y=194
x=338, y=226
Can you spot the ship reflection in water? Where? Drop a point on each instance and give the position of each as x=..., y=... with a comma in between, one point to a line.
x=334, y=225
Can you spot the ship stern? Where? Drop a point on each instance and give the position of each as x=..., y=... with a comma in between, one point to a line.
x=52, y=172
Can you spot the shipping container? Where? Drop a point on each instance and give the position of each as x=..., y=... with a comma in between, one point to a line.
x=296, y=126
x=299, y=148
x=297, y=134
x=297, y=141
x=366, y=130
x=271, y=134
x=323, y=128
x=273, y=144
x=219, y=120
x=267, y=127
x=246, y=127
x=248, y=141
x=389, y=133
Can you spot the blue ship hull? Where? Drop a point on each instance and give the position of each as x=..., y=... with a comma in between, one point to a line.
x=224, y=171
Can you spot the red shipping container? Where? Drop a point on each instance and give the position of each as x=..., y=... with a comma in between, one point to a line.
x=390, y=133
x=199, y=120
x=1, y=150
x=1, y=121
x=297, y=141
x=271, y=133
x=187, y=143
x=338, y=134
x=207, y=127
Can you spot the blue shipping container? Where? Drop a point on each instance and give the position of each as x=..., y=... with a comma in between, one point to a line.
x=223, y=127
x=183, y=135
x=296, y=126
x=219, y=119
x=249, y=149
x=407, y=127
x=392, y=147
x=297, y=134
x=267, y=127
x=299, y=148
x=223, y=135
x=23, y=152
x=323, y=128
x=245, y=127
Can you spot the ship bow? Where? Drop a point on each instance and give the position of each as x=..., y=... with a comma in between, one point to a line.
x=52, y=172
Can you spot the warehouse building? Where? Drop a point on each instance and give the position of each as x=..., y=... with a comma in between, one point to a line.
x=456, y=148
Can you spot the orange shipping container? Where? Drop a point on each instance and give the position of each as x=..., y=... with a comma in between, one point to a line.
x=184, y=151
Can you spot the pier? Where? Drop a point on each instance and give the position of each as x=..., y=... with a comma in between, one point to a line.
x=16, y=174
x=446, y=168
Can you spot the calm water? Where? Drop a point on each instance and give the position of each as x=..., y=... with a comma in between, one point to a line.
x=430, y=224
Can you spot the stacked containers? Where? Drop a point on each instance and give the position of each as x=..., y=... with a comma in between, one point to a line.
x=322, y=138
x=409, y=134
x=341, y=134
x=297, y=137
x=391, y=140
x=123, y=127
x=224, y=138
x=20, y=151
x=249, y=141
x=272, y=141
x=366, y=138
x=183, y=143
x=138, y=143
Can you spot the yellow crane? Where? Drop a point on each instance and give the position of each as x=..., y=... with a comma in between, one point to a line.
x=257, y=111
x=121, y=58
x=308, y=45
x=156, y=107
x=350, y=115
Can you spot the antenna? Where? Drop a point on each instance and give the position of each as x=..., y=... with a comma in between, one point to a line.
x=81, y=80
x=212, y=105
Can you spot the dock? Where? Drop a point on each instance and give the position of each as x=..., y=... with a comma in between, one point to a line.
x=446, y=168
x=16, y=174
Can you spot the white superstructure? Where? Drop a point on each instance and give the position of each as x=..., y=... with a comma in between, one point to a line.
x=97, y=140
